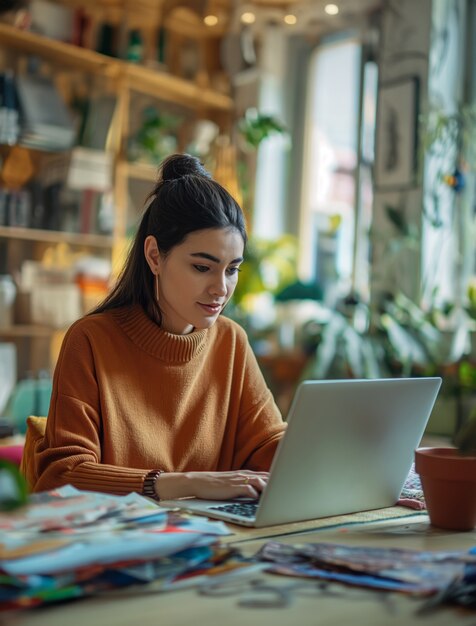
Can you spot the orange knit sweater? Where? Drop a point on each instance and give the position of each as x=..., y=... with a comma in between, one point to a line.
x=129, y=397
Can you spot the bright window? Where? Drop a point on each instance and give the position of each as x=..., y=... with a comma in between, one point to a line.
x=337, y=187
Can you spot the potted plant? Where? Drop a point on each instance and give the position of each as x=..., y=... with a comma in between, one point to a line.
x=448, y=478
x=252, y=130
x=398, y=338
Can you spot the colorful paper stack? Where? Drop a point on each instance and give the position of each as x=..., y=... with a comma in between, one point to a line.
x=68, y=543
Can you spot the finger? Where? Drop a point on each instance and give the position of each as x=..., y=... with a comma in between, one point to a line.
x=252, y=476
x=248, y=491
x=254, y=482
x=258, y=483
x=251, y=473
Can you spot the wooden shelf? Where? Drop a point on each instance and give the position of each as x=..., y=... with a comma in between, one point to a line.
x=139, y=171
x=58, y=52
x=141, y=13
x=138, y=78
x=174, y=89
x=52, y=236
x=148, y=14
x=26, y=330
x=188, y=23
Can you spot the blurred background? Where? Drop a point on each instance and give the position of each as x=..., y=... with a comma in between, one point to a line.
x=346, y=131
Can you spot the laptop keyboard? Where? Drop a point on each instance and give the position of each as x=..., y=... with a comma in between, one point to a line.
x=245, y=509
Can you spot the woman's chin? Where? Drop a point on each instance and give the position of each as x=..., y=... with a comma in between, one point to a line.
x=208, y=322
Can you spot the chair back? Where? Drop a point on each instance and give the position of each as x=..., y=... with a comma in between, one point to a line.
x=30, y=397
x=35, y=431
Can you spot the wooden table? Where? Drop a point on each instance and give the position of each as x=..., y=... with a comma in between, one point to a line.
x=352, y=607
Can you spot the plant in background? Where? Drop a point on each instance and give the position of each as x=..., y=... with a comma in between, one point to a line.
x=413, y=341
x=472, y=299
x=156, y=137
x=465, y=438
x=270, y=265
x=13, y=487
x=449, y=140
x=254, y=127
x=416, y=338
x=343, y=350
x=450, y=133
x=398, y=339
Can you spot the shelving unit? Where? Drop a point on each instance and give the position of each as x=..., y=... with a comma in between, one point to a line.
x=175, y=89
x=57, y=52
x=26, y=330
x=51, y=236
x=125, y=80
x=139, y=78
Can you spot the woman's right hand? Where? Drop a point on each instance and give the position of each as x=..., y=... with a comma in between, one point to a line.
x=211, y=485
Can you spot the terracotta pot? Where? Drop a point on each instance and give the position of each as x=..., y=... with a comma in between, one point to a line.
x=449, y=485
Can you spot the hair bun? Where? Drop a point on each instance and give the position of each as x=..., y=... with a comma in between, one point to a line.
x=179, y=165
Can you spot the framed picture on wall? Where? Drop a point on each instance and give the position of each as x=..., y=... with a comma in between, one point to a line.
x=397, y=134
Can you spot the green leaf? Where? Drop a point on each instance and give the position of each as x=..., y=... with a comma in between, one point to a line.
x=13, y=487
x=396, y=216
x=255, y=127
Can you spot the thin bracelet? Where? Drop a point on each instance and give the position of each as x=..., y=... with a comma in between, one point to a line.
x=148, y=488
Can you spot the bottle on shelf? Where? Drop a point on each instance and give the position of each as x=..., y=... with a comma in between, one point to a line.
x=8, y=292
x=135, y=47
x=9, y=115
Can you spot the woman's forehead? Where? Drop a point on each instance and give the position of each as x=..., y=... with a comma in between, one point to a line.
x=226, y=240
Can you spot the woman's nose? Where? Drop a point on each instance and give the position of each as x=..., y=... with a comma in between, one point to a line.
x=219, y=286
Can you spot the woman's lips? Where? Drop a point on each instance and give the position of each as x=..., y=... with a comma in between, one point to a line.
x=211, y=309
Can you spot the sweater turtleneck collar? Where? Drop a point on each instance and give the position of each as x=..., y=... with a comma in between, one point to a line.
x=148, y=336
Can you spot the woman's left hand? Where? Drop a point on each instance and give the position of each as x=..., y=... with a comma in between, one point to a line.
x=212, y=485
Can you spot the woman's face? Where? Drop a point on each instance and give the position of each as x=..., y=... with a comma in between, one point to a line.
x=197, y=278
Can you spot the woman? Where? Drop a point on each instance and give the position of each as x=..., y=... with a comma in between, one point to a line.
x=154, y=391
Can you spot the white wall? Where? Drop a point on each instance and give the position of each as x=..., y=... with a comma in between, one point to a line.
x=404, y=52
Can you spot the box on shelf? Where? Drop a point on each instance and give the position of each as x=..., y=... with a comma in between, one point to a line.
x=90, y=169
x=56, y=305
x=48, y=297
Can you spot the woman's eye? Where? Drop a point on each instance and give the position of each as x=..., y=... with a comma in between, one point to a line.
x=233, y=270
x=201, y=268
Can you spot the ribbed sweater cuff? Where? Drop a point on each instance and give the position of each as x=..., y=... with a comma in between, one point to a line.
x=107, y=478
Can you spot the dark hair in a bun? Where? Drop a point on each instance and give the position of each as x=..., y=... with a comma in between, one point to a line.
x=180, y=165
x=185, y=199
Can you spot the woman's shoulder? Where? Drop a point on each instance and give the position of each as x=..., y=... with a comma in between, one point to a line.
x=93, y=320
x=92, y=324
x=229, y=327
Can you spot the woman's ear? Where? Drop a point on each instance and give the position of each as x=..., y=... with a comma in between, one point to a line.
x=152, y=254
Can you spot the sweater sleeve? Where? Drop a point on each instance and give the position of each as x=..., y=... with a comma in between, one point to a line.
x=70, y=452
x=261, y=425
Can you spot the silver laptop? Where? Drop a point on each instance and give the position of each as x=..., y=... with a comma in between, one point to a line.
x=348, y=447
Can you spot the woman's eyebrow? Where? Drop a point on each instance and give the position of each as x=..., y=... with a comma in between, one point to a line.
x=210, y=257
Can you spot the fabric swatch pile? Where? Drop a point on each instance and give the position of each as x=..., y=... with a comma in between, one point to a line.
x=415, y=572
x=68, y=543
x=412, y=492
